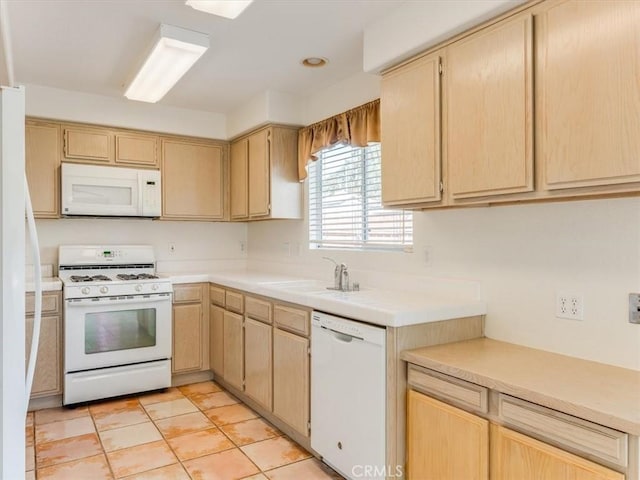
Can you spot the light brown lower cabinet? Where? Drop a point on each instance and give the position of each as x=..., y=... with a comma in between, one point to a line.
x=257, y=361
x=216, y=345
x=47, y=379
x=190, y=328
x=517, y=456
x=445, y=442
x=233, y=350
x=187, y=326
x=291, y=379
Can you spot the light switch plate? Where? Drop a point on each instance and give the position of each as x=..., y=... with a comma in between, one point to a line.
x=634, y=308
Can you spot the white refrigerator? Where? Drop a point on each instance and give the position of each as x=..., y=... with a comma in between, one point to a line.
x=13, y=192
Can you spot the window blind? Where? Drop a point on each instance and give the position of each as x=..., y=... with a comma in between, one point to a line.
x=345, y=203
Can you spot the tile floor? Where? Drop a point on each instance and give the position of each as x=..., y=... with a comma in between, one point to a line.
x=197, y=432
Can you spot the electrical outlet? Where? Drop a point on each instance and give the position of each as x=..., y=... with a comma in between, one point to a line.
x=243, y=246
x=172, y=248
x=569, y=305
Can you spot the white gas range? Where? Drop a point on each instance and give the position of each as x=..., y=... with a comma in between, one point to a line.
x=117, y=319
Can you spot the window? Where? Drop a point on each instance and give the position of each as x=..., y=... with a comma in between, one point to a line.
x=345, y=205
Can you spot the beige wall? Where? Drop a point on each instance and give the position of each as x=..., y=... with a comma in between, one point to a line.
x=521, y=255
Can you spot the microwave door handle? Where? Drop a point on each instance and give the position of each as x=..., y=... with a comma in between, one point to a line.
x=140, y=209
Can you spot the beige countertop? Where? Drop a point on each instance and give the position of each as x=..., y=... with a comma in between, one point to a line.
x=601, y=393
x=48, y=284
x=381, y=306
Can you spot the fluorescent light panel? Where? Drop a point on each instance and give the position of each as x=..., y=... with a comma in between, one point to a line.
x=174, y=53
x=222, y=8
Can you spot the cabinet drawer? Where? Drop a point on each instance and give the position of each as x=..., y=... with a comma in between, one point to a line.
x=187, y=293
x=562, y=429
x=257, y=309
x=216, y=295
x=292, y=319
x=50, y=303
x=234, y=302
x=459, y=392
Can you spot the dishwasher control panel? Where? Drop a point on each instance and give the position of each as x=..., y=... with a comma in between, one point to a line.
x=353, y=328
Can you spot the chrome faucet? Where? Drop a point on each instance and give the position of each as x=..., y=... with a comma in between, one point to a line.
x=340, y=276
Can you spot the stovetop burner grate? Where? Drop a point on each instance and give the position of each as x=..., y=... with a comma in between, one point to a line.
x=136, y=276
x=89, y=278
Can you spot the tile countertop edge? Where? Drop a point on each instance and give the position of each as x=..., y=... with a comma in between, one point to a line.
x=49, y=284
x=258, y=283
x=572, y=394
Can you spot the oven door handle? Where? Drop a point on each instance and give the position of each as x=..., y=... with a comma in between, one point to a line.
x=119, y=300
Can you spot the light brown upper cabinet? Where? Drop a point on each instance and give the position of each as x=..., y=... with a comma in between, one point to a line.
x=192, y=180
x=108, y=146
x=239, y=173
x=264, y=176
x=588, y=70
x=88, y=144
x=136, y=149
x=410, y=123
x=489, y=111
x=42, y=163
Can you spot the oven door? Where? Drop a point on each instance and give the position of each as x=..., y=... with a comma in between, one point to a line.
x=109, y=331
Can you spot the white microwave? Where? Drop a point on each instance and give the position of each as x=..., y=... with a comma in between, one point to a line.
x=97, y=191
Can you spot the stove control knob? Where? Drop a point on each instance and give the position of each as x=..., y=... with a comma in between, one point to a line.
x=104, y=289
x=85, y=290
x=138, y=288
x=155, y=286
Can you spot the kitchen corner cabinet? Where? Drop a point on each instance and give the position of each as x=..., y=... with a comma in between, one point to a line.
x=192, y=180
x=514, y=455
x=233, y=349
x=489, y=111
x=410, y=126
x=42, y=164
x=445, y=442
x=216, y=330
x=47, y=379
x=589, y=101
x=190, y=328
x=264, y=175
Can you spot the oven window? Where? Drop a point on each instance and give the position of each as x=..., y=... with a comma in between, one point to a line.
x=121, y=330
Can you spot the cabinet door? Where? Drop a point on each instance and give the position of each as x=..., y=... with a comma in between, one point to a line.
x=192, y=181
x=136, y=149
x=257, y=361
x=589, y=100
x=445, y=442
x=92, y=145
x=233, y=350
x=239, y=179
x=514, y=455
x=291, y=379
x=410, y=126
x=216, y=345
x=187, y=338
x=47, y=379
x=42, y=163
x=259, y=172
x=489, y=132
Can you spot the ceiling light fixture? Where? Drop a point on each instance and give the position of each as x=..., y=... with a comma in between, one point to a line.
x=174, y=52
x=222, y=8
x=314, y=62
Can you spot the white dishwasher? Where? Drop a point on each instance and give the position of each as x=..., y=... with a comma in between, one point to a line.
x=348, y=387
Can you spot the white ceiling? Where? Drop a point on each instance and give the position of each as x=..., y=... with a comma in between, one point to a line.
x=94, y=46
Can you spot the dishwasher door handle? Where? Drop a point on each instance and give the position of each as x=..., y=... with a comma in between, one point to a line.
x=342, y=337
